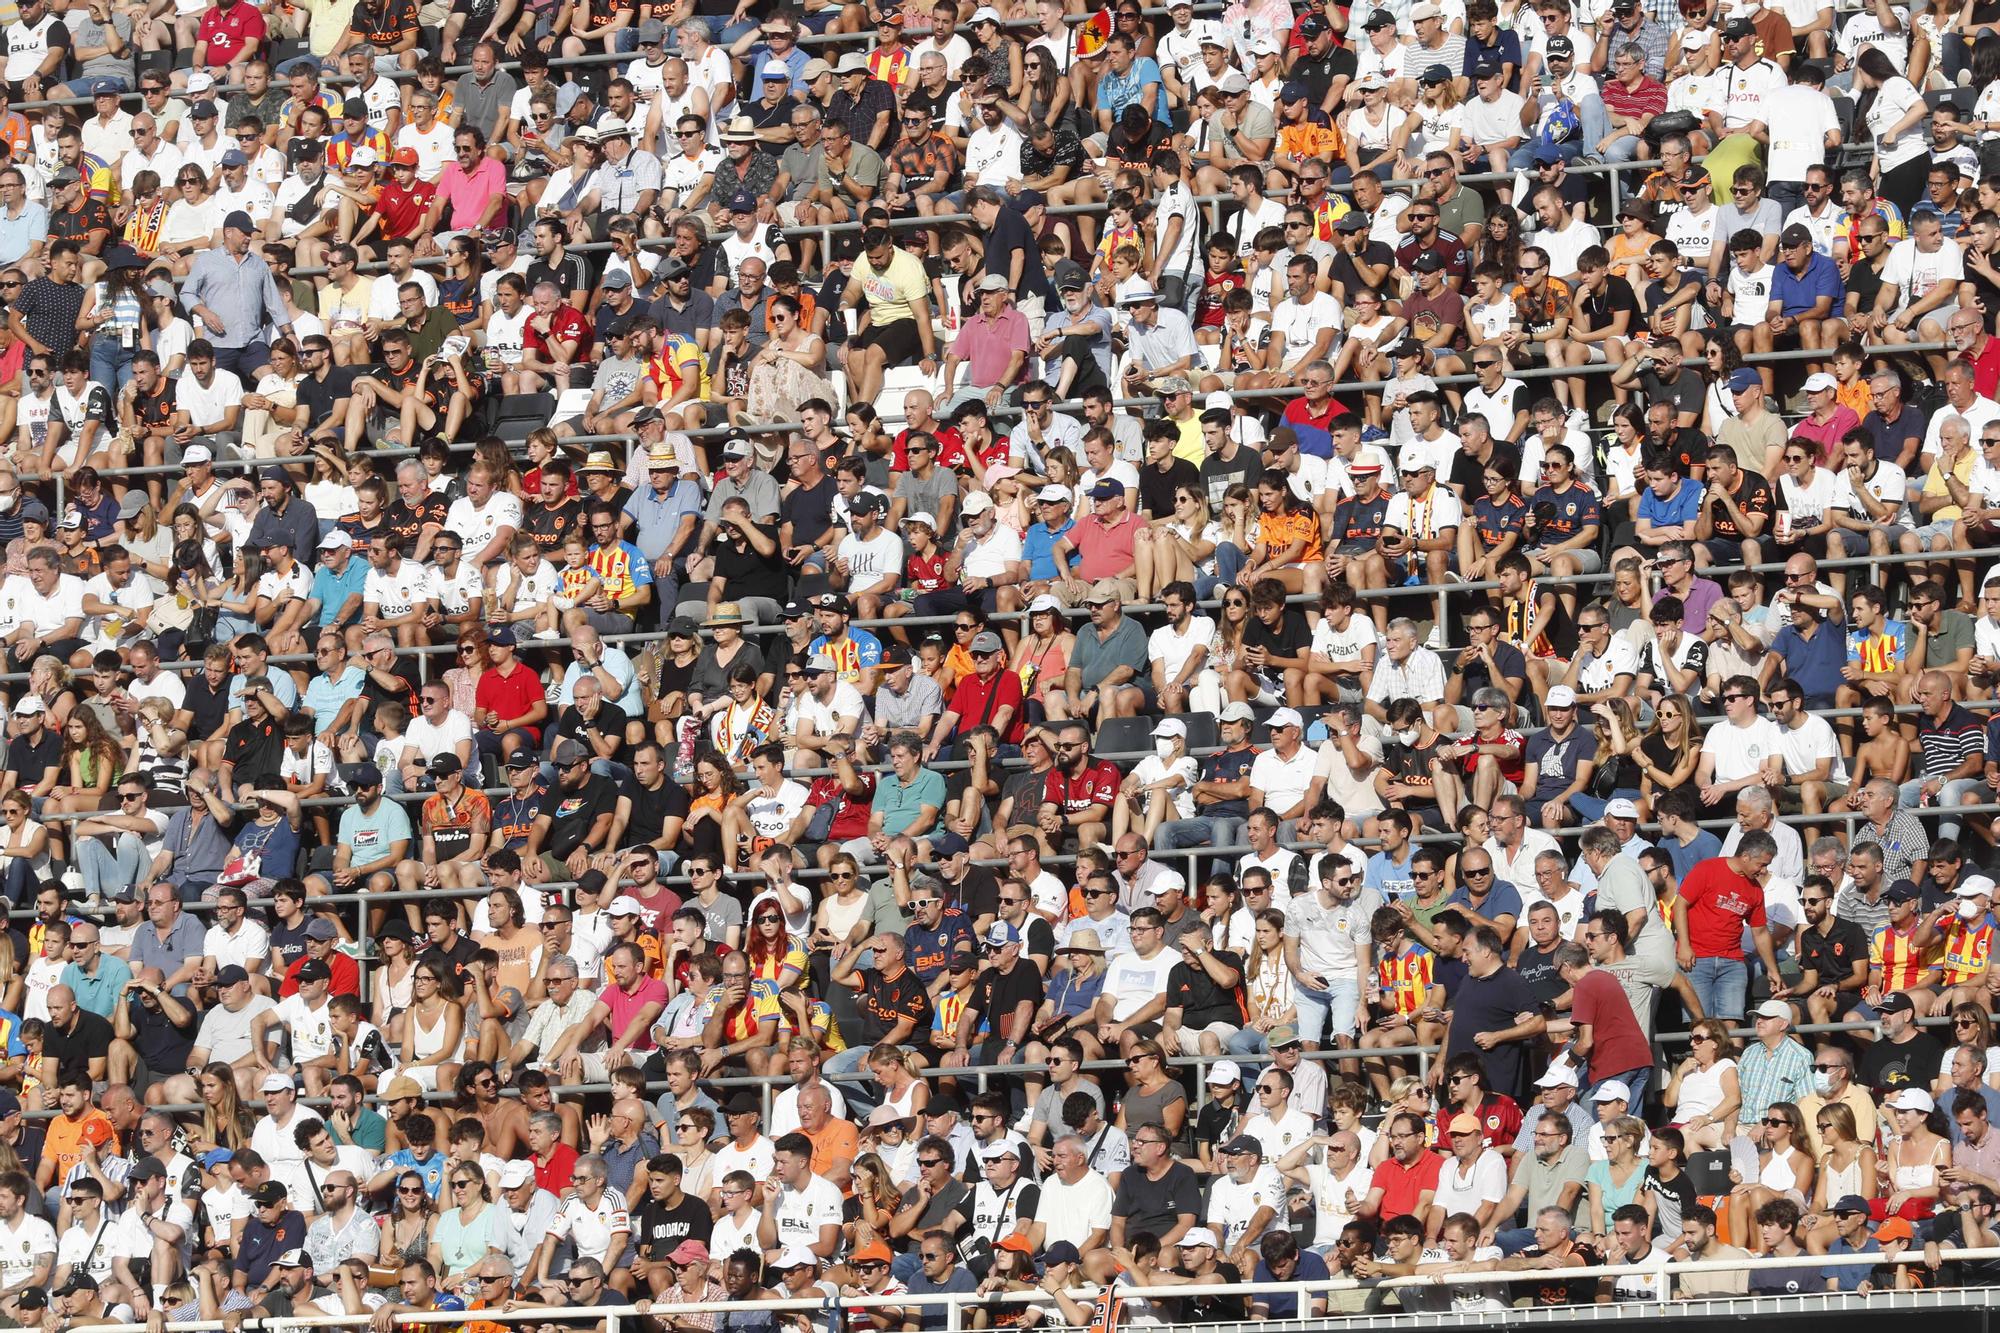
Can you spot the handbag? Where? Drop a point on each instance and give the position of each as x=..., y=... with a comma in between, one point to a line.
x=201, y=631
x=1670, y=122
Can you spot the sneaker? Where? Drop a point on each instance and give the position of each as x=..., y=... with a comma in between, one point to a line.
x=548, y=635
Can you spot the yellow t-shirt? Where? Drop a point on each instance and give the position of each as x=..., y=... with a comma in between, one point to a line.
x=1934, y=485
x=890, y=295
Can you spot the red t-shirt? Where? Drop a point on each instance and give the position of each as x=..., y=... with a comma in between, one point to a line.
x=623, y=1006
x=950, y=450
x=1616, y=1043
x=923, y=573
x=228, y=31
x=511, y=695
x=1720, y=903
x=1499, y=1121
x=346, y=976
x=401, y=209
x=1402, y=1186
x=1097, y=785
x=566, y=326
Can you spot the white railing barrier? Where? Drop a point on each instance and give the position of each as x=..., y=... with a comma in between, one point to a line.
x=954, y=1302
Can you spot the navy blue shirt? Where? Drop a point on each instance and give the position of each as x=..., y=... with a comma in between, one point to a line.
x=1227, y=766
x=1285, y=1304
x=1813, y=664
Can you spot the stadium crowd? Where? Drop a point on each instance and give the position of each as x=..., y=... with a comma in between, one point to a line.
x=737, y=653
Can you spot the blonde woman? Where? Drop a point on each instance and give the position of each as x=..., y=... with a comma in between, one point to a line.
x=1668, y=755
x=436, y=1028
x=1846, y=1166
x=1785, y=1170
x=1177, y=547
x=1703, y=1091
x=272, y=412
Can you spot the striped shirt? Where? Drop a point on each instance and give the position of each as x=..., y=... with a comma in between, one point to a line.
x=1895, y=956
x=1966, y=950
x=1766, y=1076
x=1406, y=979
x=1947, y=744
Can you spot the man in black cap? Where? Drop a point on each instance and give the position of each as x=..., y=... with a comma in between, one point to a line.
x=1426, y=237
x=1326, y=67
x=231, y=296
x=274, y=1227
x=578, y=827
x=284, y=516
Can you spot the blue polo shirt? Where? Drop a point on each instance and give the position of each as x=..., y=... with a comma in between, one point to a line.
x=1038, y=548
x=325, y=698
x=1813, y=664
x=657, y=518
x=332, y=590
x=17, y=234
x=900, y=805
x=1796, y=292
x=1684, y=506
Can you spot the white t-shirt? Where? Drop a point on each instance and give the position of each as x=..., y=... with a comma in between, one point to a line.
x=1133, y=981
x=1913, y=274
x=311, y=1029
x=1740, y=751
x=1284, y=782
x=1172, y=650
x=1298, y=325
x=1232, y=1205
x=801, y=1213
x=870, y=559
x=395, y=592
x=591, y=1229
x=433, y=148
x=478, y=525
x=251, y=943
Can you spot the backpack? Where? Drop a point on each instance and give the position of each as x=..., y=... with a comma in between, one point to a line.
x=1563, y=123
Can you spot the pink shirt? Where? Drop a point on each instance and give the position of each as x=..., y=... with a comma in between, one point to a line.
x=466, y=197
x=622, y=1006
x=1103, y=552
x=985, y=346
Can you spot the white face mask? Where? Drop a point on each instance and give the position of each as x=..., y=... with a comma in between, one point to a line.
x=1164, y=747
x=1407, y=737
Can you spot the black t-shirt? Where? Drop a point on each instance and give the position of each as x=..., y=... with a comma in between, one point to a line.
x=574, y=812
x=879, y=1004
x=1603, y=306
x=1889, y=1065
x=569, y=273
x=1538, y=968
x=1319, y=72
x=809, y=510
x=1864, y=282
x=1218, y=474
x=609, y=724
x=89, y=1040
x=547, y=525
x=161, y=1045
x=289, y=941
x=1010, y=233
x=1289, y=639
x=1342, y=270
x=661, y=1228
x=978, y=894
x=374, y=694
x=1200, y=1000
x=318, y=396
x=1156, y=488
x=746, y=573
x=1155, y=1205
x=1554, y=1288
x=997, y=994
x=652, y=809
x=30, y=761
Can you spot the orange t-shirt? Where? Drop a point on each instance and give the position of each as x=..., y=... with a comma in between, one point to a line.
x=66, y=1137
x=1276, y=532
x=836, y=1140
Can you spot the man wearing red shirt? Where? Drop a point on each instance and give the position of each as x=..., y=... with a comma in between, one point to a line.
x=509, y=705
x=1078, y=793
x=919, y=413
x=403, y=202
x=990, y=695
x=556, y=338
x=1719, y=897
x=229, y=34
x=1102, y=540
x=1407, y=1179
x=1608, y=1036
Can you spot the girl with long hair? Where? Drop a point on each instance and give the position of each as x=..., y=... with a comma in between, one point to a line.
x=775, y=957
x=1785, y=1169
x=467, y=1230
x=115, y=317
x=1268, y=995
x=1670, y=751
x=1042, y=655
x=269, y=414
x=715, y=786
x=92, y=761
x=1177, y=546
x=1618, y=742
x=1286, y=542
x=225, y=1121
x=1892, y=109
x=1497, y=516
x=436, y=1027
x=1847, y=1165
x=24, y=854
x=411, y=1221
x=1499, y=240
x=464, y=266
x=786, y=371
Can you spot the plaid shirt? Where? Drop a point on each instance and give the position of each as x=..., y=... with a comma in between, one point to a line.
x=1765, y=1076
x=859, y=114
x=1903, y=844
